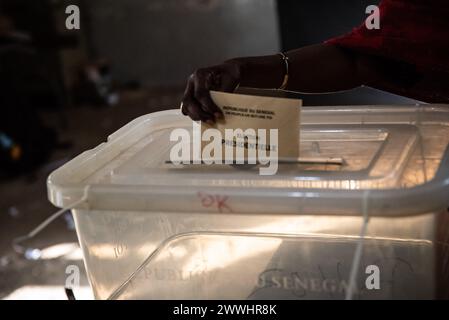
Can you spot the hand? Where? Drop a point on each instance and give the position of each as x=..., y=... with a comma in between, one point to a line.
x=197, y=102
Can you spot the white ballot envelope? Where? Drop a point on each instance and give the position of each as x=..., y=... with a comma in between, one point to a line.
x=254, y=128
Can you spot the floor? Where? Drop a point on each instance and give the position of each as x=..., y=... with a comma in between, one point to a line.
x=40, y=273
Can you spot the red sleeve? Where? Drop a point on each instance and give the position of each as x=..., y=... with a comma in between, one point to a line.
x=413, y=31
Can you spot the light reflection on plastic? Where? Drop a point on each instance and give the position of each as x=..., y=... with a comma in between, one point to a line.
x=103, y=251
x=65, y=251
x=48, y=293
x=220, y=254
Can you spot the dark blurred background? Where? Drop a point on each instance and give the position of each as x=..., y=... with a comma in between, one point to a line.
x=64, y=91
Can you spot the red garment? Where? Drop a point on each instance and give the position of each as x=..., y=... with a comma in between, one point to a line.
x=415, y=32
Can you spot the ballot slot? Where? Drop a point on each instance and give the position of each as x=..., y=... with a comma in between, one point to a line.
x=338, y=156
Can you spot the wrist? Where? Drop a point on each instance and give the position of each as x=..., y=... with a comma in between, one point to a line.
x=237, y=67
x=265, y=72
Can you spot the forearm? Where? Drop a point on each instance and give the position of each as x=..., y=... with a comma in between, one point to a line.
x=265, y=72
x=313, y=69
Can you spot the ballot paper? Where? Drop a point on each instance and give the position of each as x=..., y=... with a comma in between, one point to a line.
x=255, y=127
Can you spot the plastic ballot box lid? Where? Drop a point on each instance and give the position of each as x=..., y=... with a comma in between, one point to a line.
x=393, y=160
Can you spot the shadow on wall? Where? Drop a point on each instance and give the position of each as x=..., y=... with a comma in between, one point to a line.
x=160, y=42
x=306, y=22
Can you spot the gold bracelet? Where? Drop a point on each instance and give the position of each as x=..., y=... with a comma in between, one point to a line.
x=287, y=67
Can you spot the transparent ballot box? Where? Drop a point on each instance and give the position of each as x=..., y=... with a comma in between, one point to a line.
x=375, y=224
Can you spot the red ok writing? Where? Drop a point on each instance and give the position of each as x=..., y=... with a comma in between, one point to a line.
x=214, y=201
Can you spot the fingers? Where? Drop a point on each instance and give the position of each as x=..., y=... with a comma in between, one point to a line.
x=195, y=112
x=204, y=81
x=190, y=106
x=207, y=104
x=187, y=96
x=197, y=102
